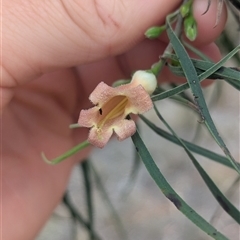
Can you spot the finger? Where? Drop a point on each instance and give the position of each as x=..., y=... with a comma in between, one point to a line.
x=41, y=36
x=37, y=121
x=141, y=56
x=30, y=194
x=147, y=53
x=207, y=31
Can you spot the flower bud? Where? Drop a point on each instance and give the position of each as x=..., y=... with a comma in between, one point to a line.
x=190, y=28
x=155, y=32
x=186, y=8
x=146, y=79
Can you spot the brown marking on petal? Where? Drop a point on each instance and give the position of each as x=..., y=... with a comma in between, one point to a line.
x=100, y=111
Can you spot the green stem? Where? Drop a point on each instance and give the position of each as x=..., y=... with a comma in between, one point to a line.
x=196, y=51
x=67, y=154
x=158, y=66
x=74, y=125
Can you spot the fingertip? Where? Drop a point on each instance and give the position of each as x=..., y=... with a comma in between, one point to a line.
x=206, y=18
x=208, y=25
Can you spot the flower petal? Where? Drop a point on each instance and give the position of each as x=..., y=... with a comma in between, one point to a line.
x=124, y=129
x=88, y=118
x=101, y=94
x=99, y=137
x=139, y=100
x=112, y=107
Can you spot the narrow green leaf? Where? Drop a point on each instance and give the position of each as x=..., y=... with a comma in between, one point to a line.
x=221, y=72
x=195, y=86
x=76, y=215
x=185, y=86
x=230, y=75
x=196, y=51
x=133, y=175
x=88, y=190
x=119, y=225
x=222, y=200
x=169, y=192
x=202, y=66
x=194, y=148
x=211, y=68
x=228, y=45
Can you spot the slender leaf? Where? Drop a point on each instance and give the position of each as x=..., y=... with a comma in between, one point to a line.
x=202, y=76
x=222, y=200
x=230, y=75
x=194, y=148
x=168, y=191
x=232, y=189
x=195, y=86
x=133, y=175
x=228, y=44
x=76, y=215
x=119, y=225
x=222, y=72
x=215, y=67
x=202, y=66
x=88, y=189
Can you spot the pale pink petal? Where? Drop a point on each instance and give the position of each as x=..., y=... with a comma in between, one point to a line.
x=99, y=137
x=139, y=100
x=88, y=118
x=124, y=129
x=122, y=88
x=102, y=93
x=105, y=97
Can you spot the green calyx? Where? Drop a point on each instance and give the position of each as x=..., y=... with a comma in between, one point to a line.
x=155, y=32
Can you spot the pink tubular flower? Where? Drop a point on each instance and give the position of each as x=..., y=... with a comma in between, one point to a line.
x=112, y=105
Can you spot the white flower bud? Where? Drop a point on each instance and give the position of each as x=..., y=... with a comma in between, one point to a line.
x=147, y=80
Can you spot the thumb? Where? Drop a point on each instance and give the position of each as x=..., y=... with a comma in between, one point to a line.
x=42, y=36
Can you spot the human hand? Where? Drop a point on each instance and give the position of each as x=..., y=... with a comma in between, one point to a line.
x=54, y=54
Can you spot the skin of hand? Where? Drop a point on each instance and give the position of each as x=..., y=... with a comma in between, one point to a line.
x=53, y=55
